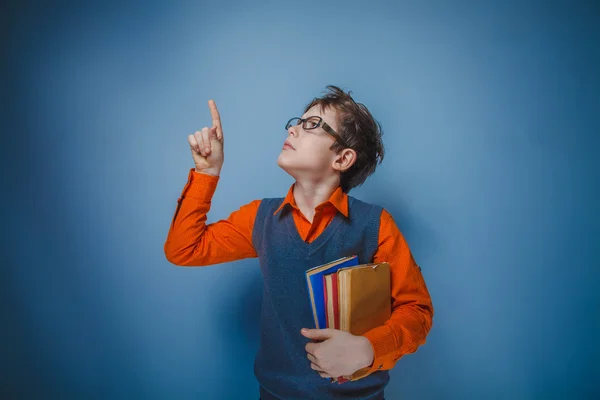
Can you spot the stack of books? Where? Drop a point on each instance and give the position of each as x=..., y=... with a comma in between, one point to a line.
x=351, y=297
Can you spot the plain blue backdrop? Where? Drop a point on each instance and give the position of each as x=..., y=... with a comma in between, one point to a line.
x=491, y=117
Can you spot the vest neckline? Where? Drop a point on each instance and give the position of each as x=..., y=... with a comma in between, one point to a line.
x=327, y=233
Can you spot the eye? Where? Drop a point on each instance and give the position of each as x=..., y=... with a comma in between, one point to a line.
x=312, y=123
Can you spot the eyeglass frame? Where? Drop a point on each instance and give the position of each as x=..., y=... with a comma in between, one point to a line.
x=322, y=124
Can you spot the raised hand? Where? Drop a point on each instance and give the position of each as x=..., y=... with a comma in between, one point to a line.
x=207, y=145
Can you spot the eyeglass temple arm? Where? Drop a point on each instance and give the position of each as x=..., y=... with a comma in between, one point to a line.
x=333, y=133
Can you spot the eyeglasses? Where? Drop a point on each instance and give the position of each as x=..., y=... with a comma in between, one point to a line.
x=313, y=123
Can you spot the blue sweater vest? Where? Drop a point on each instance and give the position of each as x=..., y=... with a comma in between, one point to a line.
x=281, y=366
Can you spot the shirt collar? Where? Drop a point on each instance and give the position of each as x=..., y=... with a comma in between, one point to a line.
x=338, y=199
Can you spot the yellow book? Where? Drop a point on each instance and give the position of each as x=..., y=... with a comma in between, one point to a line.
x=365, y=300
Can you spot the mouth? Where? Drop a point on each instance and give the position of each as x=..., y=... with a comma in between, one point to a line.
x=287, y=146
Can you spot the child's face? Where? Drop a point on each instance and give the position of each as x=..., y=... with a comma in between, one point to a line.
x=309, y=156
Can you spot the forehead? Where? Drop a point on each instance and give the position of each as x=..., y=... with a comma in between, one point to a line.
x=328, y=114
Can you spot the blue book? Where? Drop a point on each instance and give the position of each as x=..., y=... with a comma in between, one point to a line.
x=314, y=280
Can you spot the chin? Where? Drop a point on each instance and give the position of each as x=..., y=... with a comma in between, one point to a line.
x=282, y=163
x=286, y=165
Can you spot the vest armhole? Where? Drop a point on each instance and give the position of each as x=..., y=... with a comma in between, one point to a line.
x=266, y=208
x=374, y=228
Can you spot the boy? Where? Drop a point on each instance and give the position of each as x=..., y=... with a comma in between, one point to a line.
x=332, y=148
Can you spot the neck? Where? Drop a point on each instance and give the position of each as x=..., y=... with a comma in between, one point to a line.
x=309, y=194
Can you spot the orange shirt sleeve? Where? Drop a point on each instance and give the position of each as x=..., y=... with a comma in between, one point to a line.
x=412, y=309
x=191, y=242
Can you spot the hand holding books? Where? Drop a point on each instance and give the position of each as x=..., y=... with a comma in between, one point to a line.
x=351, y=298
x=337, y=353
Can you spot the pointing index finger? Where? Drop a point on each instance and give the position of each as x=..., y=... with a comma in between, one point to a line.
x=216, y=118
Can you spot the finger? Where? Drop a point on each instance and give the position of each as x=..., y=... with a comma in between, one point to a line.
x=311, y=348
x=213, y=133
x=318, y=334
x=194, y=142
x=316, y=368
x=325, y=375
x=198, y=136
x=206, y=140
x=216, y=118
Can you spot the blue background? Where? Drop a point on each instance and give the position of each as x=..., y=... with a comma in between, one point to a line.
x=491, y=116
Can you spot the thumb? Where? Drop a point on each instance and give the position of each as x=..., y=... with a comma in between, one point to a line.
x=318, y=334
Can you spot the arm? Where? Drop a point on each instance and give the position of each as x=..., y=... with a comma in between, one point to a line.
x=412, y=309
x=191, y=242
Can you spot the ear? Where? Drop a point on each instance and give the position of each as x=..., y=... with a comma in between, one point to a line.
x=344, y=160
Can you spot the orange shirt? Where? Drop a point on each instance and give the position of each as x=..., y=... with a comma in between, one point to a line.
x=191, y=242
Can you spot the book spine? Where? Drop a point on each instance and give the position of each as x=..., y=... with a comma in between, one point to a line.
x=326, y=299
x=334, y=296
x=343, y=301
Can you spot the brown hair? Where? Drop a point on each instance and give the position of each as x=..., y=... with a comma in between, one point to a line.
x=359, y=130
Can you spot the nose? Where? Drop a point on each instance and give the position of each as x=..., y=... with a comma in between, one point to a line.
x=292, y=131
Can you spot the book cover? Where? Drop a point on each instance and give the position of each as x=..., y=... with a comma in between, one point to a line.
x=329, y=298
x=314, y=281
x=364, y=296
x=330, y=286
